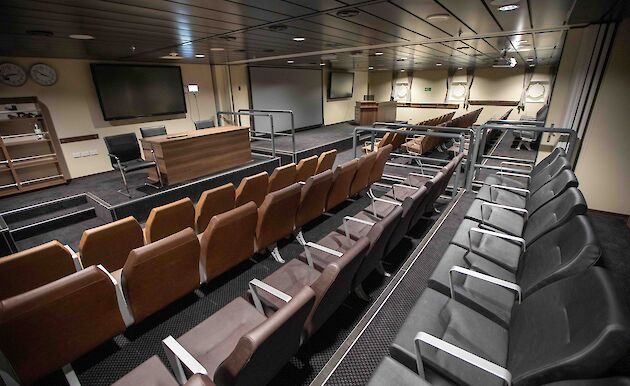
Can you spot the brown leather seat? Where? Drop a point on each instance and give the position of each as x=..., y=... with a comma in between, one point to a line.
x=386, y=140
x=49, y=327
x=34, y=267
x=153, y=373
x=313, y=198
x=168, y=219
x=241, y=346
x=326, y=161
x=382, y=156
x=212, y=202
x=362, y=176
x=110, y=244
x=227, y=241
x=342, y=179
x=331, y=286
x=282, y=177
x=306, y=168
x=159, y=273
x=252, y=188
x=276, y=216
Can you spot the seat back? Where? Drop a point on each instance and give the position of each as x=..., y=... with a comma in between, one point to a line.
x=282, y=177
x=276, y=215
x=34, y=267
x=252, y=188
x=49, y=327
x=159, y=273
x=557, y=152
x=110, y=244
x=382, y=156
x=313, y=198
x=212, y=202
x=262, y=352
x=152, y=131
x=577, y=327
x=398, y=139
x=227, y=241
x=306, y=168
x=334, y=284
x=434, y=189
x=362, y=175
x=386, y=140
x=567, y=250
x=554, y=213
x=412, y=212
x=342, y=179
x=206, y=124
x=326, y=161
x=379, y=236
x=564, y=180
x=168, y=219
x=123, y=146
x=548, y=173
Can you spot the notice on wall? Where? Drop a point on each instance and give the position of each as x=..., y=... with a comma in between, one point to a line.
x=427, y=89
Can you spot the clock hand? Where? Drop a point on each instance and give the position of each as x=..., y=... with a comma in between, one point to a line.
x=41, y=73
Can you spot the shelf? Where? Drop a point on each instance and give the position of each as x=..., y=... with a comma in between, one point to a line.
x=35, y=162
x=26, y=142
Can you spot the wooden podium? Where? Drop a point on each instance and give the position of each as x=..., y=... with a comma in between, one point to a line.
x=368, y=112
x=185, y=156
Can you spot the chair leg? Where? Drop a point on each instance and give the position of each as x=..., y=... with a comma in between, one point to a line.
x=380, y=269
x=360, y=293
x=128, y=194
x=276, y=255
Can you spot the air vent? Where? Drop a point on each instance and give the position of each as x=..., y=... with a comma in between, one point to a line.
x=348, y=13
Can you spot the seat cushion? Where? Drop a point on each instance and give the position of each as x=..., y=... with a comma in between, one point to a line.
x=150, y=373
x=389, y=372
x=399, y=193
x=501, y=196
x=418, y=181
x=212, y=340
x=290, y=279
x=358, y=230
x=514, y=182
x=438, y=315
x=504, y=220
x=130, y=166
x=334, y=240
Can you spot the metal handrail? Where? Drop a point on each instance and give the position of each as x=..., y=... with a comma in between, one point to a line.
x=290, y=112
x=238, y=114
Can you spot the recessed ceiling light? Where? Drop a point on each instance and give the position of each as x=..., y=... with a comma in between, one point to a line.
x=532, y=65
x=460, y=68
x=290, y=61
x=522, y=42
x=81, y=37
x=438, y=17
x=524, y=49
x=217, y=49
x=299, y=39
x=378, y=53
x=509, y=7
x=347, y=13
x=200, y=56
x=322, y=64
x=370, y=68
x=171, y=55
x=401, y=59
x=530, y=59
x=438, y=64
x=403, y=70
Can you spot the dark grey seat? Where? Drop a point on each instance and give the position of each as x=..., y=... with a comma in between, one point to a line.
x=152, y=131
x=206, y=124
x=577, y=327
x=391, y=373
x=503, y=196
x=564, y=251
x=124, y=154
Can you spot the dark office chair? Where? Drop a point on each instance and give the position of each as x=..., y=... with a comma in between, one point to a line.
x=124, y=154
x=204, y=124
x=152, y=131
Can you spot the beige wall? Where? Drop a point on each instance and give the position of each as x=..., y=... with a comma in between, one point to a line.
x=75, y=110
x=336, y=111
x=603, y=163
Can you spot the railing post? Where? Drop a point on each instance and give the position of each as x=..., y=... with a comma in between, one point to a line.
x=472, y=157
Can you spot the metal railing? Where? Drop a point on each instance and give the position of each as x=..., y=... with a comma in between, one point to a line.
x=272, y=138
x=273, y=111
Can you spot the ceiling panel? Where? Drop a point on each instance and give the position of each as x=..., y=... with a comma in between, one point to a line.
x=426, y=8
x=515, y=20
x=401, y=17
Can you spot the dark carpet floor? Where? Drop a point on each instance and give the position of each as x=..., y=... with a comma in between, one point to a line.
x=307, y=139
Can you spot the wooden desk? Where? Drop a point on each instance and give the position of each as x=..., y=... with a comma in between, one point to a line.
x=368, y=112
x=198, y=153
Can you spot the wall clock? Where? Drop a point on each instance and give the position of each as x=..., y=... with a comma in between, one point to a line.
x=43, y=74
x=12, y=74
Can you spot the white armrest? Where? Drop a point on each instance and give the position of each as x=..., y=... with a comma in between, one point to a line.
x=78, y=265
x=302, y=182
x=420, y=175
x=510, y=188
x=120, y=297
x=482, y=276
x=179, y=358
x=516, y=164
x=500, y=235
x=513, y=175
x=393, y=177
x=521, y=211
x=360, y=221
x=468, y=357
x=386, y=201
x=255, y=283
x=324, y=249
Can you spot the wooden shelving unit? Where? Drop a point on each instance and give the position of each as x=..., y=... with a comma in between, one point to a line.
x=29, y=148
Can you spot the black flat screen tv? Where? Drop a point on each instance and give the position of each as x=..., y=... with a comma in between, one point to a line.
x=132, y=91
x=340, y=85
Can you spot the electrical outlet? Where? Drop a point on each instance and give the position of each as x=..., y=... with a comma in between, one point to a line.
x=93, y=152
x=76, y=154
x=85, y=154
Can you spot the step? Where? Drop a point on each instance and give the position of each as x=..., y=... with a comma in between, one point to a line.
x=37, y=212
x=53, y=222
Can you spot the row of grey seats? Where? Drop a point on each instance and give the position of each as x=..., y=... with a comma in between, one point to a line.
x=516, y=298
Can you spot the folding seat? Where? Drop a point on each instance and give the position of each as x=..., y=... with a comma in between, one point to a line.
x=239, y=345
x=331, y=286
x=378, y=168
x=306, y=168
x=312, y=200
x=504, y=195
x=168, y=267
x=252, y=188
x=153, y=373
x=574, y=328
x=276, y=218
x=326, y=161
x=362, y=175
x=110, y=244
x=434, y=188
x=517, y=222
x=282, y=177
x=35, y=267
x=342, y=179
x=506, y=250
x=49, y=327
x=169, y=219
x=212, y=202
x=227, y=241
x=567, y=250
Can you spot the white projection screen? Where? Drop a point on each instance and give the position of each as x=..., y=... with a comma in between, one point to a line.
x=299, y=90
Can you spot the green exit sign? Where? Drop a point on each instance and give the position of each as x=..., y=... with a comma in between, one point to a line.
x=427, y=89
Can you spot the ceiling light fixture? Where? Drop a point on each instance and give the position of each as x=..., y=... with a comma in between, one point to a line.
x=403, y=70
x=532, y=65
x=290, y=61
x=370, y=68
x=460, y=68
x=216, y=49
x=200, y=56
x=438, y=17
x=438, y=64
x=530, y=59
x=378, y=53
x=299, y=39
x=508, y=7
x=171, y=56
x=81, y=37
x=322, y=64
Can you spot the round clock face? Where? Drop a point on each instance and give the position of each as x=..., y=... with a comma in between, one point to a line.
x=12, y=74
x=536, y=91
x=43, y=74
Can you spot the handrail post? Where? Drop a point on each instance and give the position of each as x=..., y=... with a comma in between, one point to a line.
x=472, y=159
x=273, y=136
